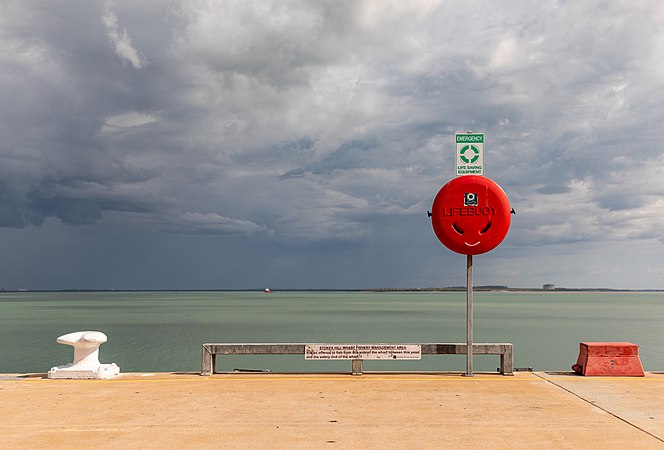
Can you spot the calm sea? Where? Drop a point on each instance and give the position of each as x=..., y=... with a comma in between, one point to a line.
x=163, y=331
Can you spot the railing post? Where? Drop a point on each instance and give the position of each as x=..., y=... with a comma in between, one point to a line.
x=507, y=361
x=207, y=362
x=357, y=367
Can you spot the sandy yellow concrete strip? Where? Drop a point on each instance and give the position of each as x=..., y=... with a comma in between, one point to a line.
x=329, y=411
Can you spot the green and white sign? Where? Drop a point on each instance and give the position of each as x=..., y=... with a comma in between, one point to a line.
x=469, y=154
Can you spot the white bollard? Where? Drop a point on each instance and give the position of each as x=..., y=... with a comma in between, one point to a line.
x=86, y=363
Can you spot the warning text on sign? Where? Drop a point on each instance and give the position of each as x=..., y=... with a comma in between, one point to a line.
x=362, y=351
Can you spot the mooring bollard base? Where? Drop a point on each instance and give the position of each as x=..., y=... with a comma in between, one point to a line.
x=67, y=372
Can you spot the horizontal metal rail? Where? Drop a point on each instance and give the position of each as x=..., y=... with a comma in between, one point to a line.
x=211, y=350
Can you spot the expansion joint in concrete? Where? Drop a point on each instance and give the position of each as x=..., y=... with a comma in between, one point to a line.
x=594, y=404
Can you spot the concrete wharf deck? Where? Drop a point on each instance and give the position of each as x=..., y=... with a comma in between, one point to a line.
x=373, y=411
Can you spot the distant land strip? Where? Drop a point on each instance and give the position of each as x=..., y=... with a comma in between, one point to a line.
x=488, y=288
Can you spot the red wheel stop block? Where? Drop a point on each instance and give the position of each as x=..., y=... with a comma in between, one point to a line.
x=608, y=359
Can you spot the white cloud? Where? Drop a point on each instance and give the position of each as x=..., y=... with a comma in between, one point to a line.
x=130, y=120
x=119, y=38
x=209, y=224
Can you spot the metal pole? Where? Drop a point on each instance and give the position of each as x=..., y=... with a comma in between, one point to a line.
x=469, y=316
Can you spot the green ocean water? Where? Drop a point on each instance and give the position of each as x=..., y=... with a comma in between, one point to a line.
x=164, y=331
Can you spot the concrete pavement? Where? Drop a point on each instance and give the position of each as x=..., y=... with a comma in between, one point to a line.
x=372, y=411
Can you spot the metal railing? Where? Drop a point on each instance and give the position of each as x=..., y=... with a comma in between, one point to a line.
x=212, y=350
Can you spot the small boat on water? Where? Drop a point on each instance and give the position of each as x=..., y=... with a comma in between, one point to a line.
x=267, y=290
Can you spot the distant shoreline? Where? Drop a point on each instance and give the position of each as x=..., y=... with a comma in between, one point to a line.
x=427, y=289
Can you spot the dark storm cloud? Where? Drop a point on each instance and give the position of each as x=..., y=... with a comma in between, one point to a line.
x=300, y=122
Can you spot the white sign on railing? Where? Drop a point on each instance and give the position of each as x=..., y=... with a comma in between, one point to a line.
x=362, y=351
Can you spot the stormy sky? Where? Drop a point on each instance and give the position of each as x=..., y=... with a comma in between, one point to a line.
x=227, y=144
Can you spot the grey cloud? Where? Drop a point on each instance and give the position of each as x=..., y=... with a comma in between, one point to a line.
x=549, y=190
x=13, y=211
x=274, y=42
x=84, y=206
x=71, y=211
x=621, y=201
x=349, y=155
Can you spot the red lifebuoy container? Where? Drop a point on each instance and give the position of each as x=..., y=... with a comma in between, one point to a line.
x=471, y=215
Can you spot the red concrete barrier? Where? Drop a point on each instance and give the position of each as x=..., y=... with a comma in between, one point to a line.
x=608, y=359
